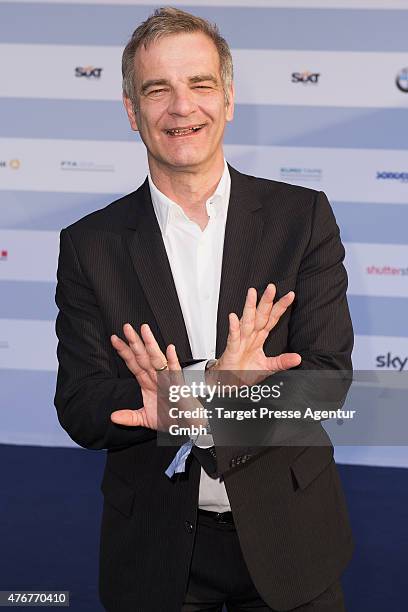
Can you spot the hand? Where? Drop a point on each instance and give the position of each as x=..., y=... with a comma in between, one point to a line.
x=142, y=357
x=246, y=337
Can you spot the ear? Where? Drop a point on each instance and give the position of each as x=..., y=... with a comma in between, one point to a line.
x=230, y=107
x=130, y=113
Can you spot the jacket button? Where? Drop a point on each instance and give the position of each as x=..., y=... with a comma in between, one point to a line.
x=188, y=527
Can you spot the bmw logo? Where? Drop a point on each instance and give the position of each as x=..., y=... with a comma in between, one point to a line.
x=402, y=80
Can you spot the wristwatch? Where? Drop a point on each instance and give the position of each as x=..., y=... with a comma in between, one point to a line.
x=210, y=364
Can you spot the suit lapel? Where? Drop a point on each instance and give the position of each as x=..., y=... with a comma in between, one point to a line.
x=149, y=257
x=242, y=240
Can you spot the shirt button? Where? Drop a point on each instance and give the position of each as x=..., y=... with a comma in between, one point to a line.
x=188, y=527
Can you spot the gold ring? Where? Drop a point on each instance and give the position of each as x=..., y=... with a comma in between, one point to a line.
x=162, y=368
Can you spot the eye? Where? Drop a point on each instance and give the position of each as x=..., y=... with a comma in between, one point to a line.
x=156, y=92
x=202, y=87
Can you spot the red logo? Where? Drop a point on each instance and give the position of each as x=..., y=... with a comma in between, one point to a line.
x=3, y=255
x=387, y=271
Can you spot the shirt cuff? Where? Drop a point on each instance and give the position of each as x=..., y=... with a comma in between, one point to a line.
x=203, y=441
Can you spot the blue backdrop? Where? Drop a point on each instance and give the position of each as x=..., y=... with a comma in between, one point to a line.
x=322, y=100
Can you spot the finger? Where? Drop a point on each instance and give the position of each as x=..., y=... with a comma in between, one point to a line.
x=137, y=346
x=125, y=352
x=131, y=360
x=127, y=417
x=157, y=358
x=264, y=307
x=279, y=309
x=175, y=371
x=248, y=315
x=172, y=359
x=285, y=361
x=234, y=333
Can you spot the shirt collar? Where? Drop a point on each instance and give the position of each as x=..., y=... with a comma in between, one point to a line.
x=167, y=210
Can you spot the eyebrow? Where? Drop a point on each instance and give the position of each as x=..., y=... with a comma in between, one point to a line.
x=198, y=78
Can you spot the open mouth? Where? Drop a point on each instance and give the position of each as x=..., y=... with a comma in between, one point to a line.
x=185, y=131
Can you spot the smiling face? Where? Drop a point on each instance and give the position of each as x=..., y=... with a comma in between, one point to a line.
x=181, y=111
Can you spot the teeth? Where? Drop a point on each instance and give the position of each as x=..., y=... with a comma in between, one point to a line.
x=184, y=131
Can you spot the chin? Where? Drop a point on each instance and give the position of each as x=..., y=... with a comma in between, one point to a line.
x=181, y=161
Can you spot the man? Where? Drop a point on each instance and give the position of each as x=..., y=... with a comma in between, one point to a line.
x=180, y=259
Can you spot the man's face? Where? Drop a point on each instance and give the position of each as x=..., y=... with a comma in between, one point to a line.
x=178, y=87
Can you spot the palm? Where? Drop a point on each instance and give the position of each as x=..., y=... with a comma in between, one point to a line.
x=147, y=415
x=246, y=338
x=143, y=357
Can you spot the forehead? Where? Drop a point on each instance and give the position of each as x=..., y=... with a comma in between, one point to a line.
x=177, y=55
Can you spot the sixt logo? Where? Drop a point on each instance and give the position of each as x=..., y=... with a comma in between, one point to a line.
x=89, y=72
x=388, y=361
x=305, y=77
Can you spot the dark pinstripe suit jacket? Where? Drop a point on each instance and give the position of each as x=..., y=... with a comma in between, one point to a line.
x=287, y=501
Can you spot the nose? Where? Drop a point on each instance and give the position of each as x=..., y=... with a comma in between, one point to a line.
x=181, y=102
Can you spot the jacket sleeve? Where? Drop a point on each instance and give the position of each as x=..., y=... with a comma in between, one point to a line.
x=320, y=326
x=88, y=387
x=320, y=330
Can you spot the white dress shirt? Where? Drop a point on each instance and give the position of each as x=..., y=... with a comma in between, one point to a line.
x=195, y=258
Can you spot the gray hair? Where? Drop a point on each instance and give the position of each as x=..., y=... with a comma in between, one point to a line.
x=165, y=22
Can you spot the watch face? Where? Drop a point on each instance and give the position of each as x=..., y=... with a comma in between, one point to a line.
x=210, y=363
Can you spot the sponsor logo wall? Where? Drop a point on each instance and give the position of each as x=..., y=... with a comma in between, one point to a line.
x=318, y=111
x=295, y=77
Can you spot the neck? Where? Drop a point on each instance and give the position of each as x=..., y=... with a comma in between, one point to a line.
x=189, y=188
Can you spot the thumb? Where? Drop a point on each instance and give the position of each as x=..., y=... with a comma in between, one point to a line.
x=285, y=361
x=127, y=417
